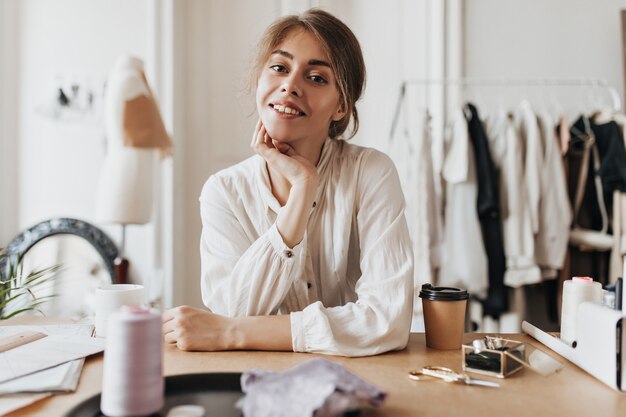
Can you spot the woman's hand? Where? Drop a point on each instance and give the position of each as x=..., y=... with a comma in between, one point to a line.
x=191, y=328
x=302, y=176
x=295, y=168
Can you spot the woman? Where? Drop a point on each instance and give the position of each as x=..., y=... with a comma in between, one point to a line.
x=304, y=246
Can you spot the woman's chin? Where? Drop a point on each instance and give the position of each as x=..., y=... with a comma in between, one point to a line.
x=278, y=136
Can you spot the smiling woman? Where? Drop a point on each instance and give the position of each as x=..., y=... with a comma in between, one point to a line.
x=328, y=65
x=304, y=246
x=297, y=95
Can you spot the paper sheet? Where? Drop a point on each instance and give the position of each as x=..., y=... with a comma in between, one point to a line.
x=64, y=343
x=58, y=329
x=60, y=378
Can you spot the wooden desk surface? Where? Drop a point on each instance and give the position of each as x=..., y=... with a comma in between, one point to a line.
x=571, y=392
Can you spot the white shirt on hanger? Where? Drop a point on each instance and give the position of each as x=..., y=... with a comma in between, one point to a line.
x=463, y=258
x=411, y=151
x=519, y=245
x=528, y=130
x=348, y=286
x=555, y=211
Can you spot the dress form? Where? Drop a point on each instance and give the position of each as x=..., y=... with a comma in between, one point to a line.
x=135, y=133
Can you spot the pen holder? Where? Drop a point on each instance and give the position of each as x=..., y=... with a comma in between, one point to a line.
x=500, y=362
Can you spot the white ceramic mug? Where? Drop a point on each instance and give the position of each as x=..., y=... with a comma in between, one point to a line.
x=110, y=298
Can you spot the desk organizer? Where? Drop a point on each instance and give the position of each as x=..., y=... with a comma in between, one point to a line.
x=600, y=345
x=493, y=362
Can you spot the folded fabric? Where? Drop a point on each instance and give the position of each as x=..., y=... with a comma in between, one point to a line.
x=318, y=387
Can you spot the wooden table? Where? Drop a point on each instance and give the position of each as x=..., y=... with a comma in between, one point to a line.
x=571, y=392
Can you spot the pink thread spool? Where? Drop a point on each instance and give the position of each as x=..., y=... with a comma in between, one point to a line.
x=576, y=291
x=132, y=383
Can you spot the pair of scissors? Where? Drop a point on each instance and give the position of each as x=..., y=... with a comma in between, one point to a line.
x=449, y=375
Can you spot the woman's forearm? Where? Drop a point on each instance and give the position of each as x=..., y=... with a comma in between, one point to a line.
x=261, y=333
x=195, y=329
x=294, y=216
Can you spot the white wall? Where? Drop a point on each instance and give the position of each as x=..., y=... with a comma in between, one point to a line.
x=9, y=182
x=218, y=116
x=61, y=42
x=543, y=39
x=393, y=39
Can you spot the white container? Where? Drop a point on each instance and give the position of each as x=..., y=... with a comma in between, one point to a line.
x=110, y=298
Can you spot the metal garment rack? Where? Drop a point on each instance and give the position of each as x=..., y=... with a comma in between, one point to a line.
x=504, y=83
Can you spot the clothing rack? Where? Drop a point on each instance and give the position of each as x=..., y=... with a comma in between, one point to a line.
x=506, y=83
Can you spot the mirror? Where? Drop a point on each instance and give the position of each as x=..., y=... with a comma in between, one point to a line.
x=82, y=271
x=86, y=256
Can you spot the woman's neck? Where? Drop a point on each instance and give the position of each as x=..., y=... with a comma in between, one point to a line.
x=279, y=185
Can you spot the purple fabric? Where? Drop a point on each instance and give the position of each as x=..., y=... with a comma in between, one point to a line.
x=318, y=387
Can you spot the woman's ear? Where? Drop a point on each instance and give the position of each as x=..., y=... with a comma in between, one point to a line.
x=340, y=113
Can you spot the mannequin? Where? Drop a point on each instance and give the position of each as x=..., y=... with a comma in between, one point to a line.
x=134, y=132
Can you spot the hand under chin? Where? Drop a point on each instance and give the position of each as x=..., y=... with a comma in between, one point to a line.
x=281, y=146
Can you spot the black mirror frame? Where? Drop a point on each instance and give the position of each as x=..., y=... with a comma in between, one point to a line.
x=63, y=225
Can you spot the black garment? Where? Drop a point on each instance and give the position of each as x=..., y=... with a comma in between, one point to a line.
x=488, y=207
x=612, y=170
x=612, y=158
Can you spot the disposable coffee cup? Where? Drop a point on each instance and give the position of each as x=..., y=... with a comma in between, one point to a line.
x=444, y=316
x=110, y=298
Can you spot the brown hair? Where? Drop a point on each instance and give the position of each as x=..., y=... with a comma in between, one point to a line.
x=341, y=46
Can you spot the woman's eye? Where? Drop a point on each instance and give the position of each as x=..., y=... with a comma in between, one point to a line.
x=278, y=68
x=318, y=79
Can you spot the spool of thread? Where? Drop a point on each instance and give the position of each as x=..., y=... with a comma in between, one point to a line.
x=576, y=291
x=132, y=383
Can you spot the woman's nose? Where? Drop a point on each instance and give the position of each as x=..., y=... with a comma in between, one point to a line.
x=291, y=86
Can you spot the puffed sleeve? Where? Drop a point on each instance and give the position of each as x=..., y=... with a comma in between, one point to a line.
x=380, y=319
x=242, y=274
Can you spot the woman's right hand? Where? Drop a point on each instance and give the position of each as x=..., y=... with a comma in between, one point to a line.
x=301, y=174
x=282, y=158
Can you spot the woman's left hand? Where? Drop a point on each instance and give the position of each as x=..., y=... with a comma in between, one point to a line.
x=191, y=328
x=295, y=168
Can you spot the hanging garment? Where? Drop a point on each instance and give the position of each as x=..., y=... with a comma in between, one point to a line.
x=587, y=201
x=555, y=288
x=618, y=250
x=612, y=158
x=519, y=244
x=555, y=212
x=488, y=207
x=410, y=150
x=463, y=259
x=563, y=137
x=607, y=174
x=528, y=131
x=585, y=185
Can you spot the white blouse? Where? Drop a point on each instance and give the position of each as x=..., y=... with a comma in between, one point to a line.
x=463, y=257
x=348, y=285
